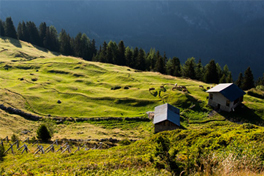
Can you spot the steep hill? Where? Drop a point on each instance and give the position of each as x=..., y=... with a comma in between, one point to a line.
x=48, y=85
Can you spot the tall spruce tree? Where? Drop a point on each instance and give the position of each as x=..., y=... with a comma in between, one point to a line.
x=33, y=33
x=248, y=81
x=20, y=31
x=42, y=32
x=2, y=28
x=239, y=80
x=199, y=71
x=134, y=58
x=211, y=75
x=151, y=59
x=189, y=68
x=140, y=60
x=128, y=56
x=65, y=43
x=160, y=65
x=121, y=53
x=10, y=30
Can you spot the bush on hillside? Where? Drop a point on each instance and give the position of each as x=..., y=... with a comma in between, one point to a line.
x=43, y=133
x=14, y=138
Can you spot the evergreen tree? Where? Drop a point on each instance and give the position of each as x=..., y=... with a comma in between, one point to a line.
x=260, y=81
x=92, y=49
x=33, y=33
x=140, y=60
x=199, y=71
x=43, y=133
x=42, y=33
x=109, y=55
x=78, y=45
x=151, y=59
x=51, y=40
x=121, y=54
x=10, y=30
x=20, y=31
x=2, y=28
x=240, y=79
x=223, y=79
x=134, y=58
x=173, y=67
x=85, y=45
x=219, y=71
x=128, y=56
x=189, y=68
x=25, y=34
x=228, y=74
x=65, y=43
x=160, y=65
x=211, y=75
x=248, y=81
x=102, y=54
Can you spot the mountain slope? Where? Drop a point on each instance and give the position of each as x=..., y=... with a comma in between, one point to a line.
x=227, y=31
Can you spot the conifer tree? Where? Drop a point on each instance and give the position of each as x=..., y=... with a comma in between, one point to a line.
x=160, y=65
x=109, y=55
x=121, y=54
x=10, y=30
x=134, y=58
x=151, y=59
x=211, y=75
x=128, y=56
x=92, y=49
x=189, y=68
x=248, y=81
x=199, y=71
x=2, y=28
x=223, y=79
x=25, y=33
x=33, y=33
x=239, y=80
x=65, y=43
x=42, y=32
x=20, y=31
x=140, y=60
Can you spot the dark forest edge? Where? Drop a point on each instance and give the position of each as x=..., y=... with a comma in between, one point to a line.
x=81, y=46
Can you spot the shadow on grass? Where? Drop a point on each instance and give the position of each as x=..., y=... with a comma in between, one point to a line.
x=15, y=42
x=243, y=114
x=46, y=50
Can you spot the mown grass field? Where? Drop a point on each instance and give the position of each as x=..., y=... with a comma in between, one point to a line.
x=33, y=80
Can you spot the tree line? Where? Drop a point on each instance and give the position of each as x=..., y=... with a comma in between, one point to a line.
x=119, y=54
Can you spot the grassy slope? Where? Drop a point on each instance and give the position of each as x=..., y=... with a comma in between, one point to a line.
x=84, y=89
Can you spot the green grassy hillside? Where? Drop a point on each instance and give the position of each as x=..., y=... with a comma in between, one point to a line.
x=49, y=85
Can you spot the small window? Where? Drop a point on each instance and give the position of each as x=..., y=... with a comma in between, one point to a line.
x=211, y=96
x=227, y=103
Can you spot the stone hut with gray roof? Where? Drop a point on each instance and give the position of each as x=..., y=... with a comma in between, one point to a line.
x=226, y=96
x=166, y=117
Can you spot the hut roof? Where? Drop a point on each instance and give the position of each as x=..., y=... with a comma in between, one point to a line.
x=228, y=90
x=167, y=112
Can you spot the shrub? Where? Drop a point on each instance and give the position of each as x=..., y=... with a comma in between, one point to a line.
x=14, y=138
x=43, y=133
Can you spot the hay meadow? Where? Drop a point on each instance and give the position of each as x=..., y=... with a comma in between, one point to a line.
x=53, y=86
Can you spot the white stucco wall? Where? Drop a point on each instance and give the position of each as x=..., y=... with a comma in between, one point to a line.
x=218, y=98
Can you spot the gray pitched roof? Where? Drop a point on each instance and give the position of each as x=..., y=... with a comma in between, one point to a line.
x=228, y=90
x=167, y=112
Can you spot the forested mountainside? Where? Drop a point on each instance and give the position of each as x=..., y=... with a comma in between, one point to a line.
x=227, y=31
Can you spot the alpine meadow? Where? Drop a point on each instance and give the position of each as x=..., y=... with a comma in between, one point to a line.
x=72, y=106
